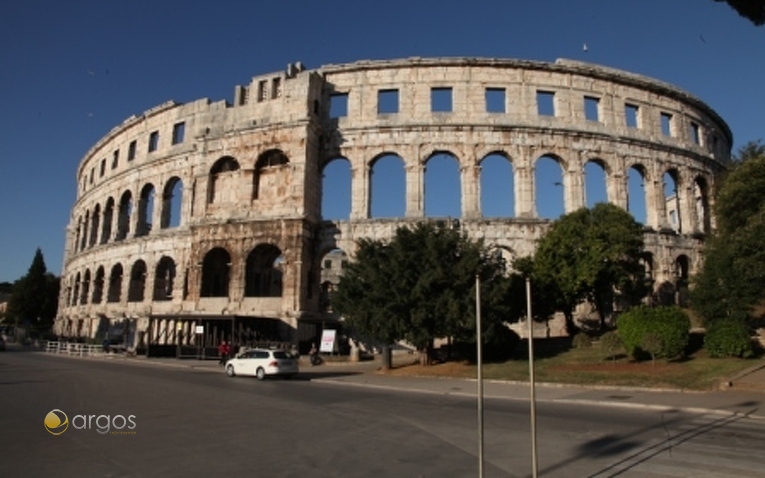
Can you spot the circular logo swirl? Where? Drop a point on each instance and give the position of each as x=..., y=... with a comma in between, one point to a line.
x=56, y=422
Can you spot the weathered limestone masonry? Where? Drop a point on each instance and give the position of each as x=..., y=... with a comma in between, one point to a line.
x=202, y=221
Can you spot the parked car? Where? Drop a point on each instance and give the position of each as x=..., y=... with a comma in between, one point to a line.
x=263, y=363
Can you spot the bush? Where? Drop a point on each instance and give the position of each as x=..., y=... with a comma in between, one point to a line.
x=581, y=341
x=611, y=343
x=499, y=345
x=669, y=324
x=729, y=338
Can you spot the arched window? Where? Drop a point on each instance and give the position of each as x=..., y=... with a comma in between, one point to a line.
x=222, y=180
x=172, y=199
x=595, y=183
x=85, y=287
x=98, y=286
x=497, y=186
x=443, y=197
x=387, y=187
x=263, y=274
x=145, y=211
x=270, y=179
x=672, y=201
x=336, y=190
x=106, y=232
x=636, y=193
x=76, y=292
x=94, y=225
x=114, y=293
x=216, y=267
x=549, y=187
x=137, y=282
x=164, y=279
x=124, y=213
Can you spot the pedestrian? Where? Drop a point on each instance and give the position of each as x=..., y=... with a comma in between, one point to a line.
x=223, y=351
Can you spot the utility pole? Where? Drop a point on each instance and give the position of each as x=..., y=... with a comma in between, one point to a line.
x=479, y=362
x=531, y=382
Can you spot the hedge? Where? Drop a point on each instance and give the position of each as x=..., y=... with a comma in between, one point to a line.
x=669, y=324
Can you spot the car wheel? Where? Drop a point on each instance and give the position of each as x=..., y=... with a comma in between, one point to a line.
x=230, y=370
x=260, y=373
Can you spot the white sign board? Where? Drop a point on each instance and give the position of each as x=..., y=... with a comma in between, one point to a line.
x=327, y=341
x=200, y=329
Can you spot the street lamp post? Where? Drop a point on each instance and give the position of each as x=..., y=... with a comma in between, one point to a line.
x=479, y=366
x=531, y=382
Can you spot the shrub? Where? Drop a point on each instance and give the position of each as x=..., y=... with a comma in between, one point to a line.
x=670, y=324
x=581, y=341
x=611, y=343
x=729, y=338
x=653, y=344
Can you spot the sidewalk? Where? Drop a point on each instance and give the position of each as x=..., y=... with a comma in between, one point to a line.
x=740, y=400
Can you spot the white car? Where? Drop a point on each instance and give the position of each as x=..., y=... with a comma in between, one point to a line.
x=262, y=363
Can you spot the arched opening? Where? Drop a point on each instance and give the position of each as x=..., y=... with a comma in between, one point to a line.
x=172, y=199
x=333, y=265
x=85, y=287
x=106, y=230
x=701, y=201
x=145, y=211
x=222, y=181
x=94, y=225
x=216, y=267
x=124, y=213
x=682, y=265
x=387, y=185
x=595, y=183
x=84, y=235
x=137, y=283
x=336, y=190
x=271, y=176
x=164, y=279
x=76, y=292
x=636, y=193
x=443, y=193
x=264, y=271
x=114, y=293
x=497, y=186
x=672, y=201
x=98, y=286
x=549, y=187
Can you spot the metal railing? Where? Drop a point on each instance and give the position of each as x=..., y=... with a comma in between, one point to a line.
x=70, y=348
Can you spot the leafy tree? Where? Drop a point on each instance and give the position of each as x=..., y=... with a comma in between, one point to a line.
x=640, y=327
x=754, y=10
x=592, y=255
x=611, y=344
x=731, y=282
x=751, y=150
x=34, y=296
x=421, y=286
x=729, y=338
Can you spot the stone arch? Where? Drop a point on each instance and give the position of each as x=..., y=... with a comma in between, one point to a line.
x=596, y=173
x=85, y=228
x=637, y=178
x=549, y=186
x=271, y=177
x=114, y=294
x=387, y=186
x=76, y=291
x=94, y=225
x=671, y=187
x=263, y=275
x=216, y=273
x=682, y=274
x=123, y=215
x=106, y=230
x=172, y=203
x=442, y=180
x=137, y=284
x=701, y=203
x=333, y=263
x=497, y=185
x=222, y=180
x=85, y=287
x=145, y=210
x=98, y=285
x=336, y=185
x=164, y=279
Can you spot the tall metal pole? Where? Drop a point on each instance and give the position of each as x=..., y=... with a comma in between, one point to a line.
x=479, y=362
x=531, y=382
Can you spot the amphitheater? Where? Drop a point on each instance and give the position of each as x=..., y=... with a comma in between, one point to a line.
x=203, y=221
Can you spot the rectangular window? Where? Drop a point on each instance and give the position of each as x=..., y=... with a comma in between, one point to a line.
x=179, y=132
x=631, y=115
x=441, y=100
x=262, y=91
x=387, y=102
x=666, y=124
x=338, y=105
x=276, y=88
x=591, y=108
x=115, y=159
x=695, y=133
x=328, y=264
x=546, y=103
x=153, y=141
x=495, y=100
x=131, y=150
x=102, y=170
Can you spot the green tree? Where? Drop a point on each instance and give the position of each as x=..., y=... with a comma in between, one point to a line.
x=592, y=255
x=754, y=10
x=421, y=286
x=730, y=283
x=34, y=297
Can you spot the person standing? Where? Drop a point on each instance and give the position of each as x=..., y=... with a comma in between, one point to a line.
x=223, y=351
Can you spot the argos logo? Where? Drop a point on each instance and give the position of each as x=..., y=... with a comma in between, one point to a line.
x=57, y=422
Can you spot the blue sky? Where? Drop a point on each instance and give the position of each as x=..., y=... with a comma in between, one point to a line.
x=70, y=71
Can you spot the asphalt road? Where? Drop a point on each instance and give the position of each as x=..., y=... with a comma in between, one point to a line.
x=201, y=423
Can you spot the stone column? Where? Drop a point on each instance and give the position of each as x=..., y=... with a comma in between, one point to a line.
x=573, y=184
x=470, y=180
x=415, y=182
x=359, y=190
x=524, y=186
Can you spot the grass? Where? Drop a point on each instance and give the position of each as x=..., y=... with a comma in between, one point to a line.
x=592, y=367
